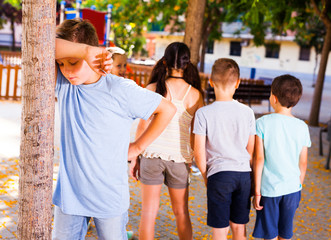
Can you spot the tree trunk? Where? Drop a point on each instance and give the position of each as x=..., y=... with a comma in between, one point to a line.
x=316, y=104
x=193, y=29
x=203, y=53
x=12, y=27
x=37, y=131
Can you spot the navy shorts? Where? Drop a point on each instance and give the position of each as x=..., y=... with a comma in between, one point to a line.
x=228, y=197
x=276, y=217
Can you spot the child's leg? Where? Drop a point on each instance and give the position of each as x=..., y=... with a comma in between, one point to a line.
x=179, y=202
x=112, y=228
x=150, y=206
x=240, y=206
x=68, y=227
x=151, y=178
x=287, y=208
x=177, y=180
x=220, y=233
x=238, y=231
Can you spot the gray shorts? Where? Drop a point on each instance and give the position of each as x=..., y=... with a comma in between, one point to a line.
x=155, y=171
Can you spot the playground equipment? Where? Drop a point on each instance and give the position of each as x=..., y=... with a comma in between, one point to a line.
x=100, y=20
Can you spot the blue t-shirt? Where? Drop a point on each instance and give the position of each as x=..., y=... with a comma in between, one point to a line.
x=283, y=140
x=95, y=134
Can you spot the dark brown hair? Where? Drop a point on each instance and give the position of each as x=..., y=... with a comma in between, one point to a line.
x=78, y=30
x=224, y=71
x=287, y=89
x=176, y=56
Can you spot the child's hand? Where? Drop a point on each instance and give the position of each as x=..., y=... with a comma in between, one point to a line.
x=134, y=170
x=99, y=59
x=256, y=202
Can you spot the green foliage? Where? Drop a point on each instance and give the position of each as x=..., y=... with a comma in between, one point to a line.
x=10, y=10
x=129, y=20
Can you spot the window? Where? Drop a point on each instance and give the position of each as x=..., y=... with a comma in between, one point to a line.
x=272, y=50
x=235, y=48
x=304, y=53
x=210, y=47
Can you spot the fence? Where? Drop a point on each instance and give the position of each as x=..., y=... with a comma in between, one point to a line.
x=10, y=58
x=10, y=82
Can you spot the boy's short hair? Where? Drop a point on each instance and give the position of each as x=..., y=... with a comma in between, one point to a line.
x=287, y=89
x=225, y=71
x=78, y=30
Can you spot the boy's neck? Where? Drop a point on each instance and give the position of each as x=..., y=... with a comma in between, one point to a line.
x=96, y=78
x=224, y=94
x=283, y=110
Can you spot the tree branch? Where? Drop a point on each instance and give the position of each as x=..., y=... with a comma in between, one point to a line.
x=324, y=13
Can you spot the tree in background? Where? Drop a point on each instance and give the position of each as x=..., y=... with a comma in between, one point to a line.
x=323, y=10
x=37, y=121
x=193, y=29
x=10, y=10
x=310, y=32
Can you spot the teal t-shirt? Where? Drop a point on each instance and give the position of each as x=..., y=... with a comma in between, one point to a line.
x=283, y=139
x=96, y=121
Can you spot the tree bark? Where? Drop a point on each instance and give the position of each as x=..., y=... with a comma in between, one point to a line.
x=37, y=121
x=316, y=104
x=193, y=29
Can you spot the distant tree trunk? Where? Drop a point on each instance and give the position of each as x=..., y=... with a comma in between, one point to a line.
x=37, y=131
x=316, y=104
x=193, y=29
x=315, y=67
x=12, y=27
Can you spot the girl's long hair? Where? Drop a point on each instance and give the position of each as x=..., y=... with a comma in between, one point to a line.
x=176, y=56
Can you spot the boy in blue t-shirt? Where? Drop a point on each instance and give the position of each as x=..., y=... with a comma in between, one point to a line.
x=223, y=145
x=96, y=112
x=280, y=162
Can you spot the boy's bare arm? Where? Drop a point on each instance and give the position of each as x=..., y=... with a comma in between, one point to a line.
x=200, y=155
x=99, y=59
x=161, y=118
x=250, y=148
x=258, y=163
x=303, y=163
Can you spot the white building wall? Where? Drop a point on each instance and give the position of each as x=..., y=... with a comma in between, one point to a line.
x=252, y=56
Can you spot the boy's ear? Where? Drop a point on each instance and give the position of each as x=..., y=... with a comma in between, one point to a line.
x=273, y=98
x=237, y=83
x=211, y=82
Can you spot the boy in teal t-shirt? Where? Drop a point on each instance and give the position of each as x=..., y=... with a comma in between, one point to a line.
x=280, y=162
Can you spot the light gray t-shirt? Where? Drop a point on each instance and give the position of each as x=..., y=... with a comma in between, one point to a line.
x=227, y=126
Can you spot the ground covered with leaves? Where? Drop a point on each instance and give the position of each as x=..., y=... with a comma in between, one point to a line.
x=312, y=221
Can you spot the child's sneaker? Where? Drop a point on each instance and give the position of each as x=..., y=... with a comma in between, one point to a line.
x=195, y=171
x=129, y=234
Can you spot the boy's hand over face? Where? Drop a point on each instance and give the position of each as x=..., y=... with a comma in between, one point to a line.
x=99, y=59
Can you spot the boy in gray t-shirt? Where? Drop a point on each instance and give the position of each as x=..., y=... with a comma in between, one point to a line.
x=224, y=143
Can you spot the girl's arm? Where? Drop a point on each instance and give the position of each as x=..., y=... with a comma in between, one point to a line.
x=200, y=155
x=99, y=59
x=258, y=163
x=303, y=163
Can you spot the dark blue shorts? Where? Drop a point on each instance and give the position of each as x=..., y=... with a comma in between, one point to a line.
x=228, y=196
x=276, y=217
